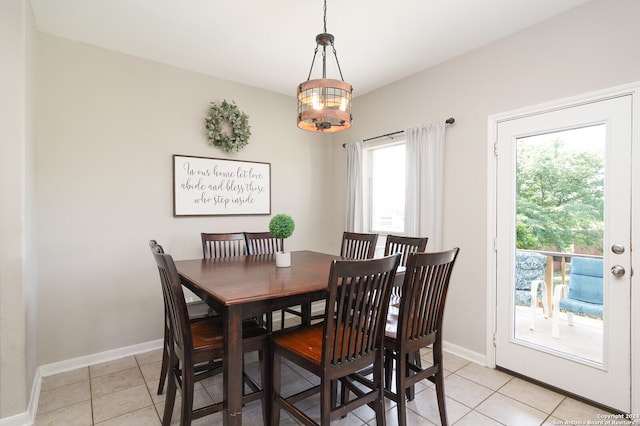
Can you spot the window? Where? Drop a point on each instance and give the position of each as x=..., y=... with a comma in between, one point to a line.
x=384, y=187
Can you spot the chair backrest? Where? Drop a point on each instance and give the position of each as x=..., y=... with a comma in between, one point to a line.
x=585, y=281
x=357, y=246
x=356, y=309
x=223, y=245
x=175, y=305
x=404, y=246
x=154, y=243
x=262, y=243
x=530, y=266
x=424, y=293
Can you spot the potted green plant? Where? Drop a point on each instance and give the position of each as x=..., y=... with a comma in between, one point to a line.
x=282, y=226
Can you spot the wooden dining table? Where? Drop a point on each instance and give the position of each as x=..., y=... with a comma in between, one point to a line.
x=241, y=287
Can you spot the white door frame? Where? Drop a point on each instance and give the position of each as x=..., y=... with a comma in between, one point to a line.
x=632, y=89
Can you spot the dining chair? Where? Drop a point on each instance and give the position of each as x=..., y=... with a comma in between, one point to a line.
x=262, y=243
x=194, y=311
x=358, y=246
x=355, y=246
x=417, y=323
x=215, y=245
x=223, y=244
x=335, y=350
x=196, y=349
x=405, y=246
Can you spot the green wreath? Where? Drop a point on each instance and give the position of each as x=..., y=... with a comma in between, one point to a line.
x=228, y=113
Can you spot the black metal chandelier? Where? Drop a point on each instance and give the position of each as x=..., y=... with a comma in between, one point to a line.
x=324, y=104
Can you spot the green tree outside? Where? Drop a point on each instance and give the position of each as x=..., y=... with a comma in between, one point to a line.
x=559, y=196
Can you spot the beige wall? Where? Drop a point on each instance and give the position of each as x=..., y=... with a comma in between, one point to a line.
x=590, y=48
x=108, y=125
x=17, y=205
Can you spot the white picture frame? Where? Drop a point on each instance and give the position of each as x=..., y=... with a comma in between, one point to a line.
x=204, y=186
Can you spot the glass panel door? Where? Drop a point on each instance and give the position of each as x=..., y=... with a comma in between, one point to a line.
x=563, y=232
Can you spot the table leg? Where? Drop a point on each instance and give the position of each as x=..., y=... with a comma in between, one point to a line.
x=232, y=364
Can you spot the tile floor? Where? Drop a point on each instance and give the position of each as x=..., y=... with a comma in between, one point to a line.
x=123, y=392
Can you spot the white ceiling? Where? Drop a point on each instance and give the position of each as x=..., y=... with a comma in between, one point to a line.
x=270, y=44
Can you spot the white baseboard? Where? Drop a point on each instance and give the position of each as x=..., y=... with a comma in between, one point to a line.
x=28, y=417
x=472, y=356
x=110, y=355
x=22, y=419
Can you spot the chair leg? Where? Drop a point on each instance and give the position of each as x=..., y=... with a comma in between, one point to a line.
x=269, y=321
x=440, y=395
x=275, y=371
x=388, y=368
x=265, y=320
x=326, y=396
x=170, y=397
x=345, y=394
x=305, y=314
x=401, y=374
x=414, y=359
x=439, y=381
x=187, y=397
x=164, y=369
x=378, y=373
x=266, y=383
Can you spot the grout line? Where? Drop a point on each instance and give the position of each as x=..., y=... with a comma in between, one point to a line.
x=146, y=385
x=93, y=420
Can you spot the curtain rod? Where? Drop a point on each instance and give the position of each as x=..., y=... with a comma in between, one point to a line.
x=449, y=120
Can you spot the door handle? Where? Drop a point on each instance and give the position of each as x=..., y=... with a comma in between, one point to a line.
x=617, y=270
x=617, y=248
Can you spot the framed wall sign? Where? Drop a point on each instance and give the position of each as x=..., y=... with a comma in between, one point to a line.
x=212, y=186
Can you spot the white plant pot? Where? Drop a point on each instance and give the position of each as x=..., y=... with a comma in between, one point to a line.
x=283, y=260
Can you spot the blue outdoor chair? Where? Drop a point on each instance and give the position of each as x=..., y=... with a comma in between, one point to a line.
x=584, y=292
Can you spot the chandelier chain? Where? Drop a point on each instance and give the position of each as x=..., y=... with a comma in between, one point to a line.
x=315, y=52
x=337, y=61
x=325, y=16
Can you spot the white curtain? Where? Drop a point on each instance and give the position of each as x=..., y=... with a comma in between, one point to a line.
x=423, y=204
x=354, y=214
